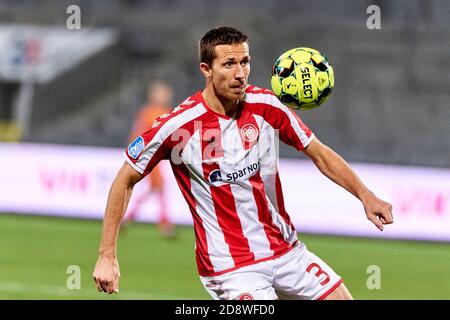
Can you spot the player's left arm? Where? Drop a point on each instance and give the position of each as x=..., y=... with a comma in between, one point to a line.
x=338, y=170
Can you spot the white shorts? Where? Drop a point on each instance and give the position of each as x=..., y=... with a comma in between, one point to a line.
x=296, y=275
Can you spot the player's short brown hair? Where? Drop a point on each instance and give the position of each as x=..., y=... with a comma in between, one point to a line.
x=218, y=36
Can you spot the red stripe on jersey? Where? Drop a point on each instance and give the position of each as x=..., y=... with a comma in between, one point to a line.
x=156, y=127
x=280, y=202
x=225, y=208
x=300, y=122
x=276, y=239
x=161, y=153
x=278, y=119
x=211, y=140
x=248, y=128
x=204, y=264
x=181, y=172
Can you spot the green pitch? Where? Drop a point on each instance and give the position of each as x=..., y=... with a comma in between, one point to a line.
x=36, y=252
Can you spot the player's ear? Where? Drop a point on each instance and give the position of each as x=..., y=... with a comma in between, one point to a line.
x=205, y=69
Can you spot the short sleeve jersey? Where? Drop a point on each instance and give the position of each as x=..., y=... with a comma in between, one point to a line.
x=227, y=170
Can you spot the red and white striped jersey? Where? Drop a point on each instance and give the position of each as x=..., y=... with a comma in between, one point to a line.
x=226, y=168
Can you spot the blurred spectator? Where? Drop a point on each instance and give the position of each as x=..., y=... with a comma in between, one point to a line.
x=159, y=97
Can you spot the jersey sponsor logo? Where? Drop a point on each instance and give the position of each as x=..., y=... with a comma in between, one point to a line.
x=215, y=176
x=136, y=147
x=246, y=296
x=233, y=176
x=249, y=132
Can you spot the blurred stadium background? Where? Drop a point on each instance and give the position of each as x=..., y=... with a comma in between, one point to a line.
x=68, y=98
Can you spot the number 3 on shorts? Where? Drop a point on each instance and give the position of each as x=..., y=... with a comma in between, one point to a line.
x=318, y=273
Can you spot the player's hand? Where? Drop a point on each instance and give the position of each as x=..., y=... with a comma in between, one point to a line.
x=106, y=275
x=378, y=211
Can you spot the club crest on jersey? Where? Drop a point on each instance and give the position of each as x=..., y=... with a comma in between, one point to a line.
x=215, y=176
x=136, y=147
x=246, y=296
x=249, y=132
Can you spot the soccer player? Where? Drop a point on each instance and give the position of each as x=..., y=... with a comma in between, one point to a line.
x=218, y=142
x=159, y=97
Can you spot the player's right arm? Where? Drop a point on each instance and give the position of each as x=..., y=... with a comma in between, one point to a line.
x=106, y=273
x=142, y=155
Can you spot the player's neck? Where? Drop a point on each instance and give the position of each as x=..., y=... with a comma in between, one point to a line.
x=220, y=105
